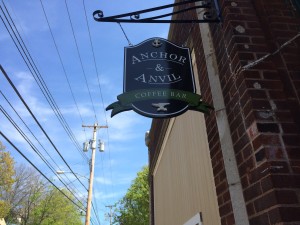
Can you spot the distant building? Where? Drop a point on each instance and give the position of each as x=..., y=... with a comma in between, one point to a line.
x=2, y=222
x=240, y=164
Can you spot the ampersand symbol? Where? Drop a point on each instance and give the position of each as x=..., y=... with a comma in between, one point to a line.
x=159, y=68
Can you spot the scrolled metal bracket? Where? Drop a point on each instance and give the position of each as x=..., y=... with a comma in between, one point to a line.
x=212, y=14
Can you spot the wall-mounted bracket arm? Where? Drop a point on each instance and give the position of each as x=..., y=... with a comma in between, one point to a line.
x=212, y=14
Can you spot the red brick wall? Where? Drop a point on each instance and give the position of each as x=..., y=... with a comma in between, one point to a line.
x=262, y=103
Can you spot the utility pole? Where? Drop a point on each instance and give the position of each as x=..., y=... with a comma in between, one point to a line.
x=92, y=164
x=110, y=215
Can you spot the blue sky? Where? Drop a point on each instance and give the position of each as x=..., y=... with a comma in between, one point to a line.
x=125, y=152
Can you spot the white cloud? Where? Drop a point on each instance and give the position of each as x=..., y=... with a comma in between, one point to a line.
x=103, y=180
x=111, y=195
x=124, y=126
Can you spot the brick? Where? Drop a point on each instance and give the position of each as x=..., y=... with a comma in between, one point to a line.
x=249, y=120
x=271, y=75
x=226, y=196
x=265, y=202
x=260, y=156
x=247, y=151
x=274, y=153
x=257, y=94
x=245, y=181
x=246, y=56
x=268, y=127
x=225, y=209
x=286, y=181
x=287, y=214
x=293, y=153
x=294, y=164
x=222, y=187
x=267, y=183
x=250, y=209
x=291, y=140
x=260, y=219
x=266, y=140
x=269, y=153
x=277, y=95
x=252, y=192
x=230, y=219
x=250, y=74
x=284, y=117
x=218, y=167
x=242, y=142
x=281, y=104
x=246, y=166
x=259, y=172
x=247, y=109
x=286, y=197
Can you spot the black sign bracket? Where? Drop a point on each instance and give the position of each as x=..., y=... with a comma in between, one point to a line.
x=211, y=14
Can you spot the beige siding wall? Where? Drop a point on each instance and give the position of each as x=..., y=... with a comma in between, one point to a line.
x=183, y=178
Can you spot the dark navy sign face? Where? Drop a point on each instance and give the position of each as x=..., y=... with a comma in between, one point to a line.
x=158, y=81
x=155, y=66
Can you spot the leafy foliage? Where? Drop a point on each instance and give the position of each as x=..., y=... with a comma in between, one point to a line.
x=35, y=202
x=6, y=179
x=133, y=208
x=55, y=209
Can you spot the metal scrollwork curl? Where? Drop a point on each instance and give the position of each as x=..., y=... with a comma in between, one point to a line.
x=210, y=14
x=98, y=14
x=135, y=17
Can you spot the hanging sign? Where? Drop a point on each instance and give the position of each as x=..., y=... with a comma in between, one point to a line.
x=158, y=81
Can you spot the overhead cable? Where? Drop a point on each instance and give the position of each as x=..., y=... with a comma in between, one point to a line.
x=37, y=76
x=38, y=169
x=33, y=116
x=79, y=56
x=34, y=148
x=34, y=138
x=62, y=64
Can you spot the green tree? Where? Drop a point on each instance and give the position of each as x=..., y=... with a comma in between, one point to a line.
x=56, y=209
x=133, y=208
x=6, y=179
x=27, y=191
x=36, y=202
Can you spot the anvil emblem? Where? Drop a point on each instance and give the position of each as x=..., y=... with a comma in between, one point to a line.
x=160, y=106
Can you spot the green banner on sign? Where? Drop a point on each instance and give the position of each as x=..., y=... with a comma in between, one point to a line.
x=126, y=99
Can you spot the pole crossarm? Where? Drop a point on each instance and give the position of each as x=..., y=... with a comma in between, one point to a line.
x=94, y=126
x=212, y=14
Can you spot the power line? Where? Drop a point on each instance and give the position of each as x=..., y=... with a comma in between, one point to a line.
x=37, y=76
x=96, y=210
x=34, y=148
x=38, y=152
x=28, y=128
x=79, y=56
x=62, y=64
x=31, y=113
x=38, y=169
x=96, y=214
x=94, y=59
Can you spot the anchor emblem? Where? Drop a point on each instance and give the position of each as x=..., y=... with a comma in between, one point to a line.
x=156, y=43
